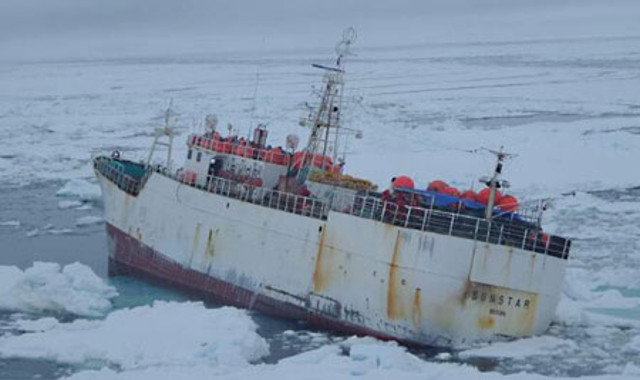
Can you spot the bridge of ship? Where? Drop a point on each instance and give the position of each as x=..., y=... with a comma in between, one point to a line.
x=507, y=229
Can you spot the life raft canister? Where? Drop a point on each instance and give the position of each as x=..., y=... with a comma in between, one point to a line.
x=508, y=203
x=437, y=186
x=452, y=191
x=318, y=160
x=469, y=195
x=483, y=196
x=403, y=182
x=275, y=156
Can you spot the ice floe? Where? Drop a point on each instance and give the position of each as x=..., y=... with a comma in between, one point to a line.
x=60, y=231
x=10, y=223
x=32, y=232
x=89, y=220
x=633, y=345
x=81, y=189
x=65, y=204
x=49, y=287
x=164, y=334
x=522, y=348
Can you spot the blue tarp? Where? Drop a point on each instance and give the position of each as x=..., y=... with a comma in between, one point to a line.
x=444, y=201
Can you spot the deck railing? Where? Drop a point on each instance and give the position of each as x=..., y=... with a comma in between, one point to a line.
x=288, y=202
x=501, y=231
x=274, y=156
x=114, y=171
x=497, y=231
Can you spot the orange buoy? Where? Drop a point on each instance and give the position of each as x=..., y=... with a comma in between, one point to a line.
x=437, y=186
x=452, y=191
x=483, y=196
x=469, y=195
x=508, y=203
x=403, y=182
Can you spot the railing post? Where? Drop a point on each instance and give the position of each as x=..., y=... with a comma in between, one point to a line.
x=384, y=211
x=429, y=216
x=453, y=218
x=524, y=238
x=564, y=249
x=488, y=231
x=406, y=221
x=424, y=219
x=535, y=241
x=475, y=233
x=546, y=245
x=500, y=234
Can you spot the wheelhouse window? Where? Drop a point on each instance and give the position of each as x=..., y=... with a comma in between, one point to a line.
x=189, y=154
x=199, y=156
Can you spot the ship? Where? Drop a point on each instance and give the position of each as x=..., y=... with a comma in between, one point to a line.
x=285, y=231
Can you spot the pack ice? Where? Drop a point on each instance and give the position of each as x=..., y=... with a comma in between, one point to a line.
x=50, y=287
x=164, y=334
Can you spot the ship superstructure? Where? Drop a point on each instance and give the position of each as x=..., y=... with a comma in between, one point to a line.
x=287, y=232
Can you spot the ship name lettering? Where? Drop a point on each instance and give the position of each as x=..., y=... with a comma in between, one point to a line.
x=499, y=299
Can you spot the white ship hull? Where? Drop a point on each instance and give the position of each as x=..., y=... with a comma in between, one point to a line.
x=348, y=273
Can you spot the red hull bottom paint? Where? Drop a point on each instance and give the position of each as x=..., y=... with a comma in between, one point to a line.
x=128, y=256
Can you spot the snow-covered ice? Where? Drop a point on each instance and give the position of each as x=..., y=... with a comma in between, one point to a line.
x=10, y=223
x=60, y=231
x=634, y=345
x=81, y=189
x=32, y=232
x=65, y=204
x=523, y=348
x=49, y=287
x=164, y=334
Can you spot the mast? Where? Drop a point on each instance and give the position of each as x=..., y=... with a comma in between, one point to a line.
x=325, y=123
x=495, y=182
x=167, y=131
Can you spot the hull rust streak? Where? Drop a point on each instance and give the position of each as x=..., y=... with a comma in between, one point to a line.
x=315, y=270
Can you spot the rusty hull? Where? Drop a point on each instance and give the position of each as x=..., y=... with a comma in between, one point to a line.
x=405, y=284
